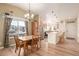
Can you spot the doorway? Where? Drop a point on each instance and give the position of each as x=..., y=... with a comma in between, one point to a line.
x=71, y=29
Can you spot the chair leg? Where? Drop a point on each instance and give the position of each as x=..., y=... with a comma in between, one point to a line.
x=24, y=51
x=27, y=50
x=32, y=48
x=37, y=46
x=19, y=52
x=16, y=49
x=40, y=43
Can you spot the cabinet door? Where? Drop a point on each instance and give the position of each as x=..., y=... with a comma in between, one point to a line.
x=34, y=28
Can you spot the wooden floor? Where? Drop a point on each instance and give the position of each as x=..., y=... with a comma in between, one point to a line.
x=69, y=48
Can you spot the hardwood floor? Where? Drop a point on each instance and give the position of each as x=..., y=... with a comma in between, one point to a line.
x=69, y=48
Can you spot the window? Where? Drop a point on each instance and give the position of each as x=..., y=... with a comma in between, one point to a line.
x=17, y=28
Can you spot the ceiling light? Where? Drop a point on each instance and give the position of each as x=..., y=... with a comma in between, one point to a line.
x=29, y=15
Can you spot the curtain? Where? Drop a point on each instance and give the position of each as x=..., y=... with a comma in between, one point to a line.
x=26, y=26
x=7, y=23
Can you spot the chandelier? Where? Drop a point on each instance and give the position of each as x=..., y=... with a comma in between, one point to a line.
x=29, y=15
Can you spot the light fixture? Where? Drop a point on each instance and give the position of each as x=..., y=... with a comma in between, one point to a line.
x=29, y=15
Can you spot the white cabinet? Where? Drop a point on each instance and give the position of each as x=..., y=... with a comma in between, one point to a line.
x=52, y=37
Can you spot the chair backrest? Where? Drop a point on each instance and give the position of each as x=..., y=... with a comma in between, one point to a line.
x=16, y=41
x=62, y=35
x=61, y=40
x=34, y=40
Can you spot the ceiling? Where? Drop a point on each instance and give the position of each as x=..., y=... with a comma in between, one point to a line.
x=61, y=10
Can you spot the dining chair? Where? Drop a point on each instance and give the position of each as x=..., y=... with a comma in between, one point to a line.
x=61, y=38
x=19, y=44
x=39, y=40
x=26, y=46
x=22, y=44
x=34, y=44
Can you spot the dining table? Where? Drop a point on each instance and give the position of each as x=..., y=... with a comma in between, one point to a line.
x=26, y=39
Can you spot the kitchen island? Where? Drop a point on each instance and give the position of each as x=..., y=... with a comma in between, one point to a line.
x=52, y=37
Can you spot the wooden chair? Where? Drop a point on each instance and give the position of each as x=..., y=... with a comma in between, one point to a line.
x=61, y=39
x=19, y=44
x=26, y=44
x=34, y=43
x=39, y=40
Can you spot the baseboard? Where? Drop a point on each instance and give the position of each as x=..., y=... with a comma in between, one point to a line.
x=1, y=47
x=70, y=38
x=12, y=44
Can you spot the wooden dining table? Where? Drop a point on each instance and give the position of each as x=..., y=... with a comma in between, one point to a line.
x=25, y=39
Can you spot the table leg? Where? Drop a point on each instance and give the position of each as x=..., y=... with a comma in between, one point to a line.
x=25, y=47
x=40, y=42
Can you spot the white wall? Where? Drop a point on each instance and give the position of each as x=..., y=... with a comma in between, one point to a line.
x=1, y=31
x=78, y=29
